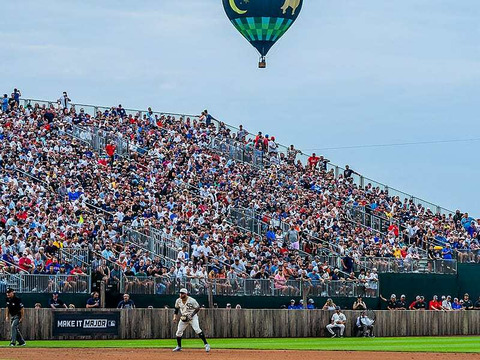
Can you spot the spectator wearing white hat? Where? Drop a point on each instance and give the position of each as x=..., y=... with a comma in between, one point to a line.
x=311, y=304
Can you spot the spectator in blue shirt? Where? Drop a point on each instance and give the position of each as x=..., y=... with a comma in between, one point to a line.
x=270, y=235
x=126, y=303
x=72, y=196
x=347, y=264
x=206, y=117
x=292, y=305
x=466, y=221
x=456, y=305
x=107, y=253
x=94, y=301
x=311, y=304
x=16, y=95
x=5, y=103
x=447, y=252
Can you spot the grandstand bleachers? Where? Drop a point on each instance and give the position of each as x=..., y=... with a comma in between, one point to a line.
x=190, y=201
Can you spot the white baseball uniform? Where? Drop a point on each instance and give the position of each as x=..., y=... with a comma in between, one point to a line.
x=337, y=319
x=187, y=308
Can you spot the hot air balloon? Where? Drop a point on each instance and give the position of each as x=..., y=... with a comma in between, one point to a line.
x=262, y=22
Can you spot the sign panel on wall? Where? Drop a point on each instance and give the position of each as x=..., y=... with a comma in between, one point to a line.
x=85, y=323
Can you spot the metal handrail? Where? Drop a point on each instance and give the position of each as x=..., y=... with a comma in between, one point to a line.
x=73, y=256
x=168, y=262
x=10, y=264
x=249, y=287
x=30, y=283
x=376, y=217
x=392, y=264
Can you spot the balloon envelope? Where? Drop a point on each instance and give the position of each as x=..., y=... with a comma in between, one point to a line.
x=262, y=22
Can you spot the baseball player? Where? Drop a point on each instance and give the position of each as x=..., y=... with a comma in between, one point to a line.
x=338, y=321
x=188, y=308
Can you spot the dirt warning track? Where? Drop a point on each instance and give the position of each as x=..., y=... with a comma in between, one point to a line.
x=194, y=354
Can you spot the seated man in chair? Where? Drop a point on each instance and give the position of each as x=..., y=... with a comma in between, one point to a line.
x=364, y=325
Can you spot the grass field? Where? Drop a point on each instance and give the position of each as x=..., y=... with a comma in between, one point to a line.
x=411, y=344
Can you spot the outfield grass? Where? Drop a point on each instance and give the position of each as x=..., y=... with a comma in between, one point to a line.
x=404, y=344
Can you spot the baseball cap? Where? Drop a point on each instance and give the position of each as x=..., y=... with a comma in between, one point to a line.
x=337, y=307
x=56, y=293
x=9, y=290
x=183, y=291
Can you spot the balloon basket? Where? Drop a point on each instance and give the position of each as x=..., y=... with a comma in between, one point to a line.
x=262, y=64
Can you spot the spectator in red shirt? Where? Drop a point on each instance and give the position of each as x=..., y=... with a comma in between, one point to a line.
x=313, y=161
x=110, y=150
x=414, y=303
x=76, y=280
x=25, y=263
x=435, y=304
x=77, y=270
x=259, y=141
x=393, y=228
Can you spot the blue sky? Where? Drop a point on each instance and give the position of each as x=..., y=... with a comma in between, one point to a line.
x=349, y=72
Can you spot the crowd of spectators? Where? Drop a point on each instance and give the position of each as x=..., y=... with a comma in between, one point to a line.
x=58, y=193
x=444, y=303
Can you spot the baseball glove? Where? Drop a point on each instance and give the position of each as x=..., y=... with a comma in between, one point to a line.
x=185, y=318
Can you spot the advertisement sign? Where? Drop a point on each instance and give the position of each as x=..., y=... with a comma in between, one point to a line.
x=85, y=323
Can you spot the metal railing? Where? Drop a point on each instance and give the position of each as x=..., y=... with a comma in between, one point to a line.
x=467, y=255
x=8, y=280
x=252, y=221
x=378, y=223
x=47, y=283
x=74, y=256
x=394, y=265
x=237, y=286
x=99, y=138
x=239, y=152
x=167, y=245
x=166, y=262
x=158, y=242
x=375, y=221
